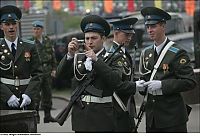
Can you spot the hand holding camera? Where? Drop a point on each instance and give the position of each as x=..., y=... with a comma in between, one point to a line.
x=75, y=46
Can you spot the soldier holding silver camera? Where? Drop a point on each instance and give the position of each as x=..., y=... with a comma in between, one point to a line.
x=88, y=113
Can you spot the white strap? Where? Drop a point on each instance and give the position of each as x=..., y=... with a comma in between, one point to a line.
x=158, y=63
x=119, y=101
x=160, y=59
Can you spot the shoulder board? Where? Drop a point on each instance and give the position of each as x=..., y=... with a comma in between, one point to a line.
x=173, y=49
x=28, y=41
x=148, y=47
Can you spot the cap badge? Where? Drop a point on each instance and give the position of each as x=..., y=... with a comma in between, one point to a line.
x=9, y=15
x=148, y=17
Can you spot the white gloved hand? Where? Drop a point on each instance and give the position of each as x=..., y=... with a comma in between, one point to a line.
x=13, y=101
x=154, y=87
x=26, y=100
x=88, y=64
x=140, y=85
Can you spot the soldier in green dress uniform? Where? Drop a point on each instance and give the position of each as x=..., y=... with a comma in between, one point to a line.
x=165, y=108
x=96, y=113
x=124, y=102
x=46, y=54
x=20, y=68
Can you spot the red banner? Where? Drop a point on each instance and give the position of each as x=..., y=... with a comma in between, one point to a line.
x=72, y=5
x=26, y=5
x=131, y=6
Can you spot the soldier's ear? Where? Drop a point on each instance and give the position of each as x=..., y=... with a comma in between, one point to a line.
x=104, y=38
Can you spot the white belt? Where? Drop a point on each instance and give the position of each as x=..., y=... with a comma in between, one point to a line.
x=89, y=98
x=15, y=82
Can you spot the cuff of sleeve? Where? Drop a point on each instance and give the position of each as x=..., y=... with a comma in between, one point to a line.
x=68, y=57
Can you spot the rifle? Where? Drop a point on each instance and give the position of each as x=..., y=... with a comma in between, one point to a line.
x=78, y=92
x=140, y=113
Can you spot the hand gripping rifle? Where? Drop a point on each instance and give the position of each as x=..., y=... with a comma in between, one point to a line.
x=78, y=92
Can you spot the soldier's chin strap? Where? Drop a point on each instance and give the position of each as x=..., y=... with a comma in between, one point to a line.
x=142, y=107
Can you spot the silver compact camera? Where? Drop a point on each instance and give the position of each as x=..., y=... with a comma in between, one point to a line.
x=81, y=44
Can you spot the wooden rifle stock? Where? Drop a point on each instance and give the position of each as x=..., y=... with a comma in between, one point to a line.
x=76, y=96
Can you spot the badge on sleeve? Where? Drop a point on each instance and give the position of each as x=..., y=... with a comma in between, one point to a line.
x=182, y=61
x=27, y=56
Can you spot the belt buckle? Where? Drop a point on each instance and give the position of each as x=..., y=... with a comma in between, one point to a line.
x=17, y=82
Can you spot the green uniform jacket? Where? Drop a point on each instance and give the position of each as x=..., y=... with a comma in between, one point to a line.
x=125, y=91
x=94, y=117
x=25, y=65
x=176, y=75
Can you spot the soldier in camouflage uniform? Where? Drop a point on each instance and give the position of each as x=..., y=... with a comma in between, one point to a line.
x=47, y=57
x=20, y=69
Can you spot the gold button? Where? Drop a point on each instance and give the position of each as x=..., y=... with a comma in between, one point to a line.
x=88, y=103
x=15, y=66
x=16, y=77
x=17, y=88
x=153, y=100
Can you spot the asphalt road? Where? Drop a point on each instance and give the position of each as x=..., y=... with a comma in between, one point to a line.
x=59, y=104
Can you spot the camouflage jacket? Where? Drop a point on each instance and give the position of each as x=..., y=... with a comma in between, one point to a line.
x=46, y=53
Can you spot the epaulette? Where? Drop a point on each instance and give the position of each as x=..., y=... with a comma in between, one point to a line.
x=174, y=49
x=28, y=41
x=148, y=47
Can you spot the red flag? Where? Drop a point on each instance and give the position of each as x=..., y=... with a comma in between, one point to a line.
x=72, y=5
x=190, y=7
x=26, y=4
x=131, y=7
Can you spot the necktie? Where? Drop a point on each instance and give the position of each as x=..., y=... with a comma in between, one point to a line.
x=155, y=54
x=13, y=49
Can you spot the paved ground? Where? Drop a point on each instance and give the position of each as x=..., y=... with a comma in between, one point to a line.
x=58, y=104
